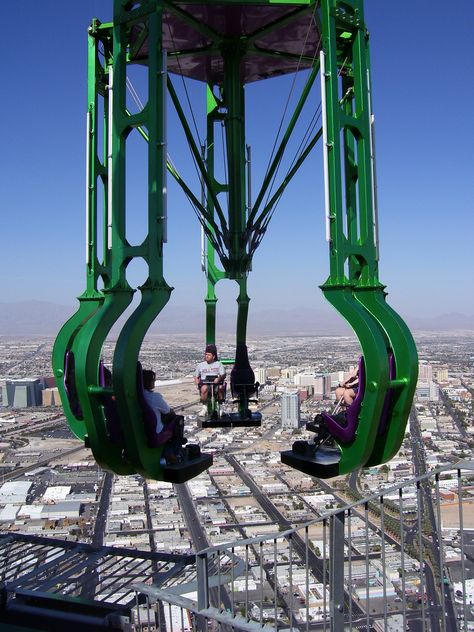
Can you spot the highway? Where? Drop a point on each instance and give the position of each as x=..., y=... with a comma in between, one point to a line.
x=445, y=610
x=200, y=542
x=315, y=563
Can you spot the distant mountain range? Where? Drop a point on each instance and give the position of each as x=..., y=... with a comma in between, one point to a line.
x=45, y=319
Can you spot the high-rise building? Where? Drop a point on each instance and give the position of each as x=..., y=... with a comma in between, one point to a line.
x=261, y=375
x=304, y=379
x=274, y=372
x=425, y=372
x=21, y=392
x=434, y=392
x=290, y=410
x=322, y=385
x=337, y=377
x=50, y=397
x=441, y=374
x=427, y=391
x=289, y=373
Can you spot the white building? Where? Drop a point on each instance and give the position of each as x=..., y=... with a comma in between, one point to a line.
x=14, y=492
x=290, y=410
x=427, y=391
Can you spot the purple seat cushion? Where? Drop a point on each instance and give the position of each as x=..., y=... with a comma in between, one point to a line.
x=70, y=385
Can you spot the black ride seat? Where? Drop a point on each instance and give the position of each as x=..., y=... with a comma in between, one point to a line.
x=70, y=385
x=112, y=420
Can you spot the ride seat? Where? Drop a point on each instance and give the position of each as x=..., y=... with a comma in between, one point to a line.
x=153, y=438
x=70, y=385
x=242, y=377
x=112, y=420
x=343, y=428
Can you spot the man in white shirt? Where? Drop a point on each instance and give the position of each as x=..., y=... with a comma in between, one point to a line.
x=209, y=372
x=156, y=401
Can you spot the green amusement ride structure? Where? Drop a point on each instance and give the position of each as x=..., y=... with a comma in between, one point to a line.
x=227, y=44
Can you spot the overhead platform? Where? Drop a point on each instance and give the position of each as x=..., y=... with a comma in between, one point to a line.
x=275, y=38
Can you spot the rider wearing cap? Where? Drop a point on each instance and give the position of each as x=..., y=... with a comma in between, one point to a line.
x=210, y=367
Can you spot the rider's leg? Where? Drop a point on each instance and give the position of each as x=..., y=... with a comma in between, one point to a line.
x=204, y=393
x=221, y=393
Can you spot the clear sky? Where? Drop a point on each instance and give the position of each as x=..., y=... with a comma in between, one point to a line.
x=423, y=95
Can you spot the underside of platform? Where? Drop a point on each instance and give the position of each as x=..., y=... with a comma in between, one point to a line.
x=275, y=39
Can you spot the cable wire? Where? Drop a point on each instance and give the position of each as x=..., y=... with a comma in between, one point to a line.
x=293, y=84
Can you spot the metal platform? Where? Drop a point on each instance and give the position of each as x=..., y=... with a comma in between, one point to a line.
x=50, y=584
x=234, y=420
x=275, y=39
x=322, y=462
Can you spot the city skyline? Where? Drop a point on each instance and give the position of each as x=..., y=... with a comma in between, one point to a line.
x=421, y=137
x=52, y=487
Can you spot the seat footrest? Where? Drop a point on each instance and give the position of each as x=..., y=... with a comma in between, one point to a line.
x=193, y=463
x=234, y=420
x=322, y=462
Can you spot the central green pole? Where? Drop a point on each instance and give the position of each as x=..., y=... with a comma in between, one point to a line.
x=233, y=92
x=234, y=98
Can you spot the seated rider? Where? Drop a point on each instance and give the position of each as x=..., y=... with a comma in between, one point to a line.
x=211, y=368
x=165, y=415
x=155, y=401
x=348, y=389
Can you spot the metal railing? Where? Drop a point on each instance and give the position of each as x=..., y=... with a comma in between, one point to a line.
x=401, y=558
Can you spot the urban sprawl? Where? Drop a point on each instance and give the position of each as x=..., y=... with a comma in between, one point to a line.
x=51, y=485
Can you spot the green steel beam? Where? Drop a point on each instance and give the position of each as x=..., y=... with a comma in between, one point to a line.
x=286, y=137
x=233, y=95
x=353, y=287
x=276, y=24
x=199, y=162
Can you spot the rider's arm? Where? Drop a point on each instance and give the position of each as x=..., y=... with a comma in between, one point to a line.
x=222, y=373
x=197, y=376
x=161, y=403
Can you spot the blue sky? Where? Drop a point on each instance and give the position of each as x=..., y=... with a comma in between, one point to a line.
x=422, y=98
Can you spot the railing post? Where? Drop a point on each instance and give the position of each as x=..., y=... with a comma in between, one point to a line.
x=202, y=572
x=202, y=577
x=336, y=571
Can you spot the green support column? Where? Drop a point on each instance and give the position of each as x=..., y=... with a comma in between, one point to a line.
x=235, y=144
x=213, y=274
x=349, y=236
x=243, y=301
x=353, y=287
x=155, y=292
x=92, y=298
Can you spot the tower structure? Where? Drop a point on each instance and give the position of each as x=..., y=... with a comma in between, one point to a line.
x=226, y=45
